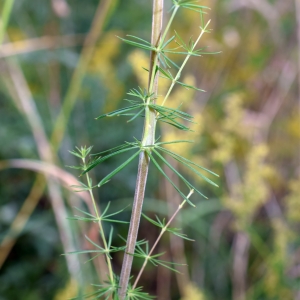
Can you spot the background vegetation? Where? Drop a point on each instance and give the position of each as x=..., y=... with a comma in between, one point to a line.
x=61, y=66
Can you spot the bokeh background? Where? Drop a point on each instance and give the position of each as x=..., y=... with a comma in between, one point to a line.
x=62, y=65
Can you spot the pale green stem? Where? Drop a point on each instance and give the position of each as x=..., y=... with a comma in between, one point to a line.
x=7, y=7
x=168, y=25
x=147, y=139
x=203, y=30
x=108, y=260
x=163, y=230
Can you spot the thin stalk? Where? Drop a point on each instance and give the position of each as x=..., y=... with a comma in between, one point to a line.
x=24, y=102
x=163, y=230
x=7, y=8
x=169, y=25
x=203, y=30
x=148, y=139
x=108, y=260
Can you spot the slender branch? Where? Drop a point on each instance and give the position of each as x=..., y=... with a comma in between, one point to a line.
x=28, y=107
x=108, y=260
x=163, y=230
x=203, y=30
x=148, y=139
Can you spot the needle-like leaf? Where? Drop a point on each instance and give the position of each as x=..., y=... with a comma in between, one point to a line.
x=178, y=174
x=120, y=111
x=100, y=159
x=166, y=176
x=184, y=160
x=146, y=45
x=118, y=169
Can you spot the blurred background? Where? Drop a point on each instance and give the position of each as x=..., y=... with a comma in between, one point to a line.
x=62, y=65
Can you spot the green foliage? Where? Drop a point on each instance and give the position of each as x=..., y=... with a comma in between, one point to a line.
x=245, y=128
x=145, y=107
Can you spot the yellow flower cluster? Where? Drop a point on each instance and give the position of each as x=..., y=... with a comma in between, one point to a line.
x=274, y=282
x=192, y=292
x=293, y=201
x=68, y=292
x=102, y=65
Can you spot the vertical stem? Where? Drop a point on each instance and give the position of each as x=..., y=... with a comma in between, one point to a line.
x=147, y=139
x=108, y=260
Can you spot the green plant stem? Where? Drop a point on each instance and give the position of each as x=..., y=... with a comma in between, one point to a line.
x=108, y=260
x=163, y=230
x=7, y=8
x=203, y=30
x=148, y=139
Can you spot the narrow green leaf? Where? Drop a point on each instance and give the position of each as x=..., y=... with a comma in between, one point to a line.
x=97, y=246
x=78, y=218
x=99, y=160
x=168, y=60
x=111, y=149
x=178, y=174
x=168, y=42
x=166, y=176
x=84, y=212
x=117, y=170
x=189, y=86
x=120, y=111
x=180, y=113
x=184, y=159
x=139, y=45
x=82, y=252
x=174, y=142
x=135, y=37
x=167, y=75
x=152, y=221
x=196, y=172
x=136, y=115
